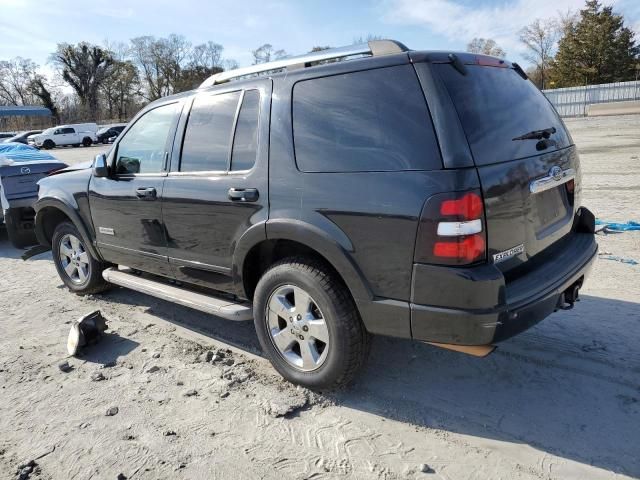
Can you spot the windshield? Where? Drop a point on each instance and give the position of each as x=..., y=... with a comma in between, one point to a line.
x=49, y=131
x=504, y=116
x=103, y=130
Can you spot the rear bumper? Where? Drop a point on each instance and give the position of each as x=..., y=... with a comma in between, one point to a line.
x=488, y=307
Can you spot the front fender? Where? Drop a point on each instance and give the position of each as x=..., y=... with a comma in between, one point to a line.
x=45, y=206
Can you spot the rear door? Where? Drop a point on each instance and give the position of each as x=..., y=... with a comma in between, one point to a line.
x=525, y=158
x=217, y=188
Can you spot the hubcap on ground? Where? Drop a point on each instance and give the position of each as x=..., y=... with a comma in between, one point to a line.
x=74, y=259
x=297, y=328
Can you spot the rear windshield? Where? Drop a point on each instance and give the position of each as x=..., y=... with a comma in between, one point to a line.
x=495, y=106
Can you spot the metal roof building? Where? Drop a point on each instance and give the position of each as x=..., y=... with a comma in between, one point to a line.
x=23, y=111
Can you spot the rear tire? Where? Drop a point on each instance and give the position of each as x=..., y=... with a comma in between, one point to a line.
x=79, y=271
x=48, y=144
x=323, y=344
x=87, y=142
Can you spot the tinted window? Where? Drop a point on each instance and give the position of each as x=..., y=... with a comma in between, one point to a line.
x=143, y=148
x=496, y=105
x=207, y=140
x=245, y=142
x=68, y=130
x=363, y=121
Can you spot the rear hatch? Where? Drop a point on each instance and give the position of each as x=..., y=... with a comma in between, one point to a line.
x=524, y=156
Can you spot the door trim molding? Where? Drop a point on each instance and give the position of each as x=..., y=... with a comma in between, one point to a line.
x=200, y=265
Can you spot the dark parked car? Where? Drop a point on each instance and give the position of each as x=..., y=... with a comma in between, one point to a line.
x=110, y=133
x=417, y=194
x=21, y=167
x=22, y=137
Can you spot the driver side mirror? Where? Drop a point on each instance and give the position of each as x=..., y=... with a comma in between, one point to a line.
x=100, y=168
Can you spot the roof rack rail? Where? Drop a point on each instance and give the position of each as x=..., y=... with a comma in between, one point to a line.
x=373, y=48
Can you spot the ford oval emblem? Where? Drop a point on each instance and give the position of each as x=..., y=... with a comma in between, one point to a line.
x=555, y=173
x=25, y=170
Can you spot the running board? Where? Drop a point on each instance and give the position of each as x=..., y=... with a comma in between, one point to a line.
x=216, y=306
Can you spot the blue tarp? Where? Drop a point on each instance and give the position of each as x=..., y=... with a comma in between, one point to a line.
x=23, y=111
x=619, y=227
x=19, y=152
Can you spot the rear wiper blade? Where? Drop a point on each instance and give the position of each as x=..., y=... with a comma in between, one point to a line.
x=537, y=134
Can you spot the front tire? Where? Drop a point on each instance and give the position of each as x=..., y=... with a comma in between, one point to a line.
x=48, y=144
x=79, y=271
x=308, y=324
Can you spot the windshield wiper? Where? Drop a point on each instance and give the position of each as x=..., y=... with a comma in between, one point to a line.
x=537, y=134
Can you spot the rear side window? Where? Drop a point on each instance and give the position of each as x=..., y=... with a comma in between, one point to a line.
x=375, y=120
x=207, y=140
x=495, y=106
x=245, y=142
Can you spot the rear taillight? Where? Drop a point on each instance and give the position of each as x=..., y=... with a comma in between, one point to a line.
x=451, y=230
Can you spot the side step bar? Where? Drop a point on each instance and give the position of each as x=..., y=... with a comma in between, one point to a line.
x=216, y=306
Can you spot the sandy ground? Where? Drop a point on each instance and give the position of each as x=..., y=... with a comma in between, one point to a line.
x=559, y=401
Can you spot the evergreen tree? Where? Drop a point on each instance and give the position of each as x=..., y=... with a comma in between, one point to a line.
x=597, y=48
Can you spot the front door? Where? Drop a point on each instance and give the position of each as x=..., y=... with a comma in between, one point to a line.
x=126, y=206
x=217, y=187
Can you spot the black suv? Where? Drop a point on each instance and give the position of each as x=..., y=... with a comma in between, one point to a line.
x=366, y=190
x=109, y=133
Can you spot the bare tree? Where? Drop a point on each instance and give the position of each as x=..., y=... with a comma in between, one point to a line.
x=485, y=46
x=16, y=76
x=266, y=53
x=146, y=53
x=84, y=67
x=207, y=55
x=368, y=38
x=540, y=38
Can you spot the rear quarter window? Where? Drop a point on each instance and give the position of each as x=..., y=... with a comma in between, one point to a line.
x=374, y=120
x=495, y=106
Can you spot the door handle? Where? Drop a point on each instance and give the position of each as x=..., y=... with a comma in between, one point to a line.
x=243, y=194
x=146, y=193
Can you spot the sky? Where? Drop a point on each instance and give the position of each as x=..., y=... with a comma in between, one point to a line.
x=32, y=28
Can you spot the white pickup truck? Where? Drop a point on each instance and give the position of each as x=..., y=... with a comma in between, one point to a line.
x=76, y=135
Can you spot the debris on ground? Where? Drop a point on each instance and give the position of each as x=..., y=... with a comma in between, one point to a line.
x=190, y=393
x=97, y=377
x=616, y=258
x=65, y=367
x=87, y=330
x=26, y=469
x=153, y=369
x=424, y=468
x=111, y=411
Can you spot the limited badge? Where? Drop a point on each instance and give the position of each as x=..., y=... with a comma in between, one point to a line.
x=512, y=252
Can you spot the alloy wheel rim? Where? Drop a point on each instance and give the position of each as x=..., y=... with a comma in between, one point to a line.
x=297, y=328
x=74, y=259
